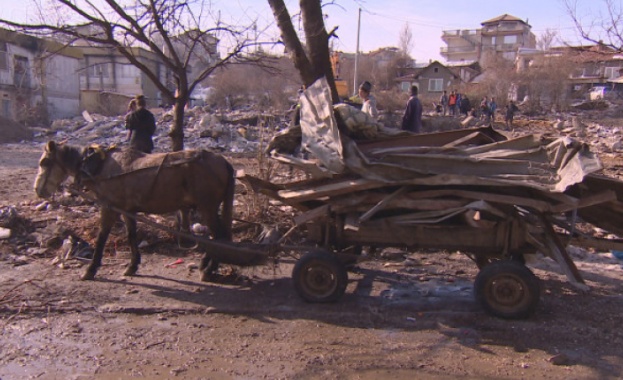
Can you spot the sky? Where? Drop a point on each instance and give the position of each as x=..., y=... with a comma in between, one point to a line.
x=383, y=20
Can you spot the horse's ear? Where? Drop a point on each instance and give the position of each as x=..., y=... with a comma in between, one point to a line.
x=50, y=146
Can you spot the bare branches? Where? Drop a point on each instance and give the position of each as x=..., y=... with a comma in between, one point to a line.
x=600, y=29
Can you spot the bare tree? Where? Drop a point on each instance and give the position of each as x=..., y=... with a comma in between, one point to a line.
x=405, y=40
x=312, y=61
x=547, y=39
x=604, y=28
x=177, y=31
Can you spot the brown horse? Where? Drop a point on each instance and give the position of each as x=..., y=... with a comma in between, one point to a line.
x=134, y=182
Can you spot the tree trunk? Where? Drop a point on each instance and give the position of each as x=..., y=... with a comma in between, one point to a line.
x=292, y=42
x=316, y=63
x=318, y=43
x=177, y=131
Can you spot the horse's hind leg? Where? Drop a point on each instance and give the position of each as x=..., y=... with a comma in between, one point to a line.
x=135, y=260
x=107, y=220
x=208, y=265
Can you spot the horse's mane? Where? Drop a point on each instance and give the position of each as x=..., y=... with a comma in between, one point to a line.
x=71, y=156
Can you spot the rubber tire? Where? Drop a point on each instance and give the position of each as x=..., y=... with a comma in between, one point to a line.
x=507, y=289
x=320, y=277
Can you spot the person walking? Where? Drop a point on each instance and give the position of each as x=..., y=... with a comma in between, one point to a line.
x=141, y=125
x=493, y=106
x=443, y=100
x=412, y=118
x=511, y=108
x=465, y=106
x=484, y=109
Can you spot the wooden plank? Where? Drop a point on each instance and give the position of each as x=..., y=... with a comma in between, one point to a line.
x=382, y=203
x=490, y=197
x=559, y=254
x=433, y=236
x=600, y=244
x=463, y=140
x=402, y=203
x=314, y=214
x=591, y=200
x=331, y=189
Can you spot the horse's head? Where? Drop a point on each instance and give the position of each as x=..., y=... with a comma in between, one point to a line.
x=52, y=170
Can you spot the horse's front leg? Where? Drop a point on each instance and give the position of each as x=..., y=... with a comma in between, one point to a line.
x=135, y=260
x=107, y=220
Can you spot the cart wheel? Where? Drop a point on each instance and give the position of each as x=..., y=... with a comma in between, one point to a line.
x=507, y=289
x=319, y=277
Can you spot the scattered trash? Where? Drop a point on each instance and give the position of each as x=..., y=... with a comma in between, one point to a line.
x=5, y=233
x=269, y=235
x=8, y=216
x=73, y=248
x=42, y=206
x=199, y=229
x=174, y=264
x=560, y=359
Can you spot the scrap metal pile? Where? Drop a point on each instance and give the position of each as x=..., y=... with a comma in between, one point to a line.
x=472, y=190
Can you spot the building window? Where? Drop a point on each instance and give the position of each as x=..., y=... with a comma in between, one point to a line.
x=406, y=86
x=98, y=70
x=612, y=72
x=510, y=40
x=129, y=71
x=21, y=72
x=435, y=85
x=5, y=110
x=4, y=56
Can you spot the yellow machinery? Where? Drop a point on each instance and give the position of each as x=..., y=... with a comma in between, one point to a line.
x=340, y=84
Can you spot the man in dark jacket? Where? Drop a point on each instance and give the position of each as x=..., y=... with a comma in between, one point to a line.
x=141, y=126
x=412, y=119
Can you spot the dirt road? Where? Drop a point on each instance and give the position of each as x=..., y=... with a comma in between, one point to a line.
x=400, y=319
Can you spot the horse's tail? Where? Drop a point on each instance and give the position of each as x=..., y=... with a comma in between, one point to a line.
x=228, y=202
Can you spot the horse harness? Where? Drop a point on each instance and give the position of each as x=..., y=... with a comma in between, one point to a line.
x=94, y=156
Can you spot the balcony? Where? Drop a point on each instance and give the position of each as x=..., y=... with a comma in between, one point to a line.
x=458, y=49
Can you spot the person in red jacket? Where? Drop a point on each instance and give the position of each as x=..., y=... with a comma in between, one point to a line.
x=452, y=103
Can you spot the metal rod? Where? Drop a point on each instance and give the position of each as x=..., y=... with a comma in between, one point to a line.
x=355, y=80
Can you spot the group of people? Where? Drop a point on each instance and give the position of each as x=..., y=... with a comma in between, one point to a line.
x=487, y=109
x=453, y=104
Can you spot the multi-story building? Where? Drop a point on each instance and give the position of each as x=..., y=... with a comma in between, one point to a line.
x=108, y=79
x=37, y=76
x=502, y=35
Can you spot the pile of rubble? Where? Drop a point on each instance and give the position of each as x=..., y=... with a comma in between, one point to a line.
x=237, y=131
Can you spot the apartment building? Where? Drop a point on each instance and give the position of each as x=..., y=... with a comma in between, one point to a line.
x=503, y=35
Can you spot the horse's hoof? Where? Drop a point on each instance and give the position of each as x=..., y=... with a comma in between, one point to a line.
x=130, y=271
x=88, y=276
x=207, y=276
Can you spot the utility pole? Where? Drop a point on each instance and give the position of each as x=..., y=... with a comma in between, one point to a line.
x=355, y=80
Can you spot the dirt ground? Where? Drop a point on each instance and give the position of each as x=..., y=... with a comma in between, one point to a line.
x=405, y=315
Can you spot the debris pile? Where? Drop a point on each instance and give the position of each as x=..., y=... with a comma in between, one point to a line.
x=236, y=132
